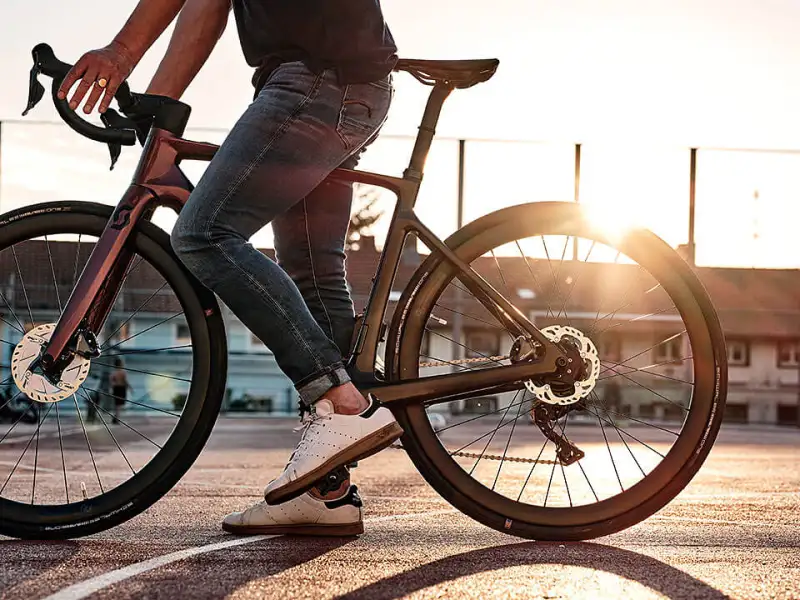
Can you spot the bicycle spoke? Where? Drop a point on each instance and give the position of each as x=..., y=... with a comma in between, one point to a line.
x=135, y=335
x=602, y=296
x=19, y=460
x=484, y=435
x=494, y=412
x=653, y=391
x=597, y=398
x=22, y=414
x=77, y=255
x=563, y=473
x=536, y=462
x=161, y=410
x=36, y=455
x=536, y=285
x=502, y=277
x=147, y=350
x=669, y=339
x=136, y=312
x=644, y=370
x=574, y=284
x=493, y=434
x=88, y=444
x=55, y=280
x=145, y=372
x=630, y=435
x=610, y=455
x=61, y=446
x=86, y=396
x=633, y=320
x=9, y=401
x=481, y=354
x=133, y=429
x=492, y=325
x=21, y=327
x=552, y=472
x=587, y=481
x=556, y=281
x=508, y=441
x=613, y=313
x=22, y=283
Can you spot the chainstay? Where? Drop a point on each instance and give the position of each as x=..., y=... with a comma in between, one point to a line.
x=541, y=461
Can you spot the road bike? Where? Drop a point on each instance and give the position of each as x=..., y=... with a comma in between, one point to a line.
x=518, y=329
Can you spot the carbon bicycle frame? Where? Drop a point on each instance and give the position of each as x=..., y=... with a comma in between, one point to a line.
x=158, y=181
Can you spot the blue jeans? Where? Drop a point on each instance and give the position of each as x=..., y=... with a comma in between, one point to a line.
x=272, y=169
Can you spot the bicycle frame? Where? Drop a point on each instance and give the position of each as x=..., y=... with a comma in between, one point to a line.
x=158, y=181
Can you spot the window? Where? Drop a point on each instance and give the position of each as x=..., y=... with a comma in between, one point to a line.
x=256, y=345
x=182, y=334
x=788, y=355
x=481, y=344
x=668, y=350
x=610, y=348
x=738, y=353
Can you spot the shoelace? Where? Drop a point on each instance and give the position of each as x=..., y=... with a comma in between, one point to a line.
x=308, y=421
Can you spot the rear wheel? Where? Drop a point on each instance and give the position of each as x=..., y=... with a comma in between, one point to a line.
x=583, y=466
x=103, y=454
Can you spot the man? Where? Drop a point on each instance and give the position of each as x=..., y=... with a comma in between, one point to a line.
x=323, y=89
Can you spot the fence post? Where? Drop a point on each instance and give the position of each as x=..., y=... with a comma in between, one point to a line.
x=458, y=348
x=1, y=166
x=577, y=193
x=692, y=191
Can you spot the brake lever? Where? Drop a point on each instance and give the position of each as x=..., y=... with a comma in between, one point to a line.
x=35, y=89
x=113, y=120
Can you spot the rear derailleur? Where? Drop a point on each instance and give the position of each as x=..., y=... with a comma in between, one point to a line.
x=546, y=417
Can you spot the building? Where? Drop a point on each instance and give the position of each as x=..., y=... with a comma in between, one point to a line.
x=759, y=311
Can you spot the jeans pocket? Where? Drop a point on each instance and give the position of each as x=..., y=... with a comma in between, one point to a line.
x=364, y=109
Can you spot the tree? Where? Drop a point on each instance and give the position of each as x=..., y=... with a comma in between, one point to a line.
x=365, y=214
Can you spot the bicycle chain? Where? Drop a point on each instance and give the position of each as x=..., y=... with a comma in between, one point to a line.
x=541, y=461
x=462, y=361
x=466, y=361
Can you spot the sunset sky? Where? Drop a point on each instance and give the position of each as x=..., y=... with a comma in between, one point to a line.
x=637, y=82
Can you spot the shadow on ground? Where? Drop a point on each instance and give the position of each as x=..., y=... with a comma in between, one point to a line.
x=649, y=572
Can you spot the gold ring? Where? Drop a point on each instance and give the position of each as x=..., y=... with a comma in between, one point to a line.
x=102, y=82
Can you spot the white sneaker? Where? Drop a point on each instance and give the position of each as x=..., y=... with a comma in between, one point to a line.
x=329, y=441
x=305, y=515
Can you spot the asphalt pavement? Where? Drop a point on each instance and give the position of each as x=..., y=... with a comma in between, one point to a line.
x=733, y=533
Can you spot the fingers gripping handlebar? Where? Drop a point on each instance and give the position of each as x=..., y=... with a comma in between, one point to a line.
x=145, y=110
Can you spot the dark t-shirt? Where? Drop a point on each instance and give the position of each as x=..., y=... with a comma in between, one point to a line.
x=349, y=36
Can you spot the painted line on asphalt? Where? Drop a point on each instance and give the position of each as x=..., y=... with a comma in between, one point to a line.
x=88, y=587
x=724, y=522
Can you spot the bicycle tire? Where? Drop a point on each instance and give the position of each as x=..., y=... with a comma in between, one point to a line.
x=501, y=513
x=203, y=401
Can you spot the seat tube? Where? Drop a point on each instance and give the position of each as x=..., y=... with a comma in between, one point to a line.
x=427, y=131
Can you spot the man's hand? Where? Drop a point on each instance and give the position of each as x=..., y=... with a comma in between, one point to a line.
x=109, y=66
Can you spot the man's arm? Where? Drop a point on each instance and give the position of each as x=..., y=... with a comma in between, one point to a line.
x=115, y=62
x=199, y=27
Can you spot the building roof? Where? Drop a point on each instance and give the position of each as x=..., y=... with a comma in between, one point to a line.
x=750, y=302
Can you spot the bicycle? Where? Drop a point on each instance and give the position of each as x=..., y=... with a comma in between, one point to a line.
x=546, y=374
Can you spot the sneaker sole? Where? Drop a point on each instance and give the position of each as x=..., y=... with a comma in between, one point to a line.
x=318, y=529
x=372, y=444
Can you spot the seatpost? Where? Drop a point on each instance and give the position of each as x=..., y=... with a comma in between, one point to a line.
x=427, y=130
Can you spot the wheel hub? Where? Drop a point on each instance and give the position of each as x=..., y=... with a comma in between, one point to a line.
x=578, y=378
x=35, y=385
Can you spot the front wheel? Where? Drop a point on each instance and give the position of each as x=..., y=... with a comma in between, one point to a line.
x=575, y=462
x=143, y=408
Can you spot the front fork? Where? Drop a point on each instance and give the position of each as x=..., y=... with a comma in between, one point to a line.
x=97, y=287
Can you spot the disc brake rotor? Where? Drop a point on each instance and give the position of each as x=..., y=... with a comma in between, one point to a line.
x=38, y=387
x=587, y=352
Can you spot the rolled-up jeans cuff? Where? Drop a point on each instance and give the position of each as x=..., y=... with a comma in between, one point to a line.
x=317, y=385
